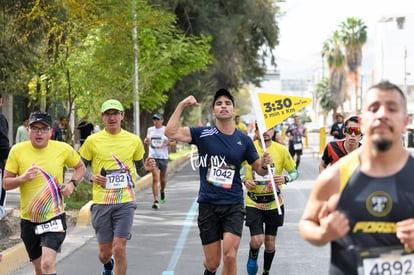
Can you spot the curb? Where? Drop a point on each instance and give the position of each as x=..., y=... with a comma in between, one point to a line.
x=16, y=256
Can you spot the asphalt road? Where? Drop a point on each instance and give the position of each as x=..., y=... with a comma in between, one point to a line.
x=166, y=241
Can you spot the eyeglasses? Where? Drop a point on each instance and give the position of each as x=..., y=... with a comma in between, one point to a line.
x=39, y=130
x=355, y=130
x=112, y=114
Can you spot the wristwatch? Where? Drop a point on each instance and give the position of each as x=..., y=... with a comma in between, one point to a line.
x=75, y=182
x=286, y=179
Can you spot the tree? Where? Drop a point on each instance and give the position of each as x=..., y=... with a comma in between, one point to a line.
x=331, y=50
x=243, y=34
x=87, y=53
x=323, y=94
x=354, y=36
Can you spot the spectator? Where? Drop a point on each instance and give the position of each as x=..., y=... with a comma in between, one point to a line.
x=84, y=129
x=337, y=129
x=4, y=152
x=21, y=133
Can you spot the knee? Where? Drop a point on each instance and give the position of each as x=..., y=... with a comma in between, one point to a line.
x=256, y=242
x=119, y=249
x=212, y=264
x=47, y=265
x=105, y=255
x=230, y=257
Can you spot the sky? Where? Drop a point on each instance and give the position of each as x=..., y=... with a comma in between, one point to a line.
x=308, y=23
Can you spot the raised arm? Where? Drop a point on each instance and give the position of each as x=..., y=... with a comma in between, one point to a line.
x=173, y=129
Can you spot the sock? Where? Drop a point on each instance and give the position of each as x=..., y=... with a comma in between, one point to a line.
x=253, y=253
x=109, y=265
x=206, y=272
x=162, y=195
x=297, y=164
x=268, y=259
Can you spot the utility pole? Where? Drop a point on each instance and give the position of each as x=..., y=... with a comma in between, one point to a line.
x=136, y=87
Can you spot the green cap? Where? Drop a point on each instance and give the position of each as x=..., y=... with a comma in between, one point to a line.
x=112, y=104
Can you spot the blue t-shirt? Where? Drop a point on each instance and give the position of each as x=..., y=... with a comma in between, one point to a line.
x=219, y=160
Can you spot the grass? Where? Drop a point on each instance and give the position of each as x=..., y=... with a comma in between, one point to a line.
x=83, y=192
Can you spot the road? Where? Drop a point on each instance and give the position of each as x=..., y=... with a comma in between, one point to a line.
x=166, y=241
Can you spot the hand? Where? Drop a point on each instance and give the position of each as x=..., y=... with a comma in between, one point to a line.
x=405, y=232
x=30, y=173
x=66, y=189
x=266, y=159
x=150, y=164
x=250, y=184
x=333, y=223
x=190, y=100
x=279, y=179
x=99, y=179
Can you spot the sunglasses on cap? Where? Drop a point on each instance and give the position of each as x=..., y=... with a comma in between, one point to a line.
x=355, y=130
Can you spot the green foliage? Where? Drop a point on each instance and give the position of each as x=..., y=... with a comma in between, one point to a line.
x=323, y=94
x=80, y=196
x=243, y=34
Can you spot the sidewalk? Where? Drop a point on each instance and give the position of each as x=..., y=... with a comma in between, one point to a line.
x=16, y=256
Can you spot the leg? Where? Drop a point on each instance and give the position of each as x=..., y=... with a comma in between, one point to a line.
x=163, y=180
x=37, y=265
x=269, y=253
x=155, y=173
x=2, y=194
x=119, y=250
x=212, y=256
x=48, y=260
x=163, y=183
x=298, y=155
x=231, y=244
x=105, y=252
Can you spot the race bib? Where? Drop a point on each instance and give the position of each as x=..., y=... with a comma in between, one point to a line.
x=221, y=176
x=297, y=146
x=157, y=142
x=116, y=179
x=386, y=261
x=52, y=226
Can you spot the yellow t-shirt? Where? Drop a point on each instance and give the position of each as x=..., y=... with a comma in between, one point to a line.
x=282, y=160
x=113, y=153
x=241, y=126
x=40, y=198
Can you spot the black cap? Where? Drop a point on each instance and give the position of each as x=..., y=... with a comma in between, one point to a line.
x=157, y=116
x=223, y=92
x=39, y=116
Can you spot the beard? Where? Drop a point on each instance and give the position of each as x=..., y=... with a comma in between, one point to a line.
x=382, y=145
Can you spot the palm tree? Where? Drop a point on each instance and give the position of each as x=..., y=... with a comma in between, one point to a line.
x=331, y=50
x=323, y=94
x=354, y=36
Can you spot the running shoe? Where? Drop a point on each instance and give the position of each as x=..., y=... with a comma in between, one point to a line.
x=155, y=205
x=109, y=271
x=252, y=266
x=163, y=199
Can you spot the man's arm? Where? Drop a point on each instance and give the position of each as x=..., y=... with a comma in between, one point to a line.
x=78, y=172
x=12, y=180
x=172, y=129
x=320, y=222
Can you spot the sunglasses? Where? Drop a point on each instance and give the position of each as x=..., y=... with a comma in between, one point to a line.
x=355, y=130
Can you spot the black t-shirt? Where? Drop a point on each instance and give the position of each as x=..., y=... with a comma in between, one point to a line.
x=85, y=129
